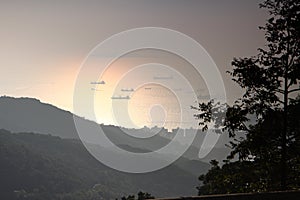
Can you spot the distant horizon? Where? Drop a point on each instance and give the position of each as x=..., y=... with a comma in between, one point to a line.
x=140, y=99
x=47, y=103
x=43, y=52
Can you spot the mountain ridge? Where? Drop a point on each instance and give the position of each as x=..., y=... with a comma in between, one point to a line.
x=46, y=132
x=48, y=119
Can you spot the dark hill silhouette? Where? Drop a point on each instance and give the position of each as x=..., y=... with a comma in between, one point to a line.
x=50, y=165
x=58, y=146
x=31, y=115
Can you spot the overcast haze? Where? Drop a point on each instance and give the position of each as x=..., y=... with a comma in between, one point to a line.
x=43, y=43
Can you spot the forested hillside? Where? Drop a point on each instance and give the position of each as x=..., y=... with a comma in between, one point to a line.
x=36, y=166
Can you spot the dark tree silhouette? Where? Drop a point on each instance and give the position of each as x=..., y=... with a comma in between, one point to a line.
x=271, y=84
x=140, y=196
x=258, y=169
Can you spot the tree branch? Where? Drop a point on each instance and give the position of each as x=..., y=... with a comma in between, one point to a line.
x=294, y=90
x=247, y=129
x=293, y=55
x=280, y=101
x=279, y=90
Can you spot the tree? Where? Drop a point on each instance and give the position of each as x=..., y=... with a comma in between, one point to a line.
x=140, y=196
x=271, y=84
x=259, y=153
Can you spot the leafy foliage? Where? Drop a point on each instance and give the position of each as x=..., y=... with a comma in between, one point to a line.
x=270, y=150
x=259, y=166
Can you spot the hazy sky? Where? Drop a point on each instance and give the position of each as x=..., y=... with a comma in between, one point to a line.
x=43, y=43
